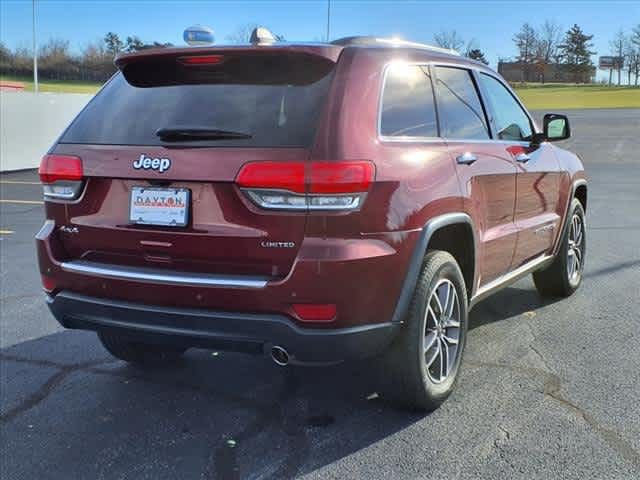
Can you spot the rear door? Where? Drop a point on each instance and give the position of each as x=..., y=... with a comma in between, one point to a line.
x=223, y=111
x=537, y=216
x=487, y=176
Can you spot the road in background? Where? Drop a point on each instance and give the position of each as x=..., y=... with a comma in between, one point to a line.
x=548, y=389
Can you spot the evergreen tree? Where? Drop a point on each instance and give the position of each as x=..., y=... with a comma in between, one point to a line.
x=112, y=43
x=133, y=44
x=576, y=52
x=477, y=54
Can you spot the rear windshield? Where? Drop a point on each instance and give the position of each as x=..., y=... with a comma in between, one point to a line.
x=280, y=113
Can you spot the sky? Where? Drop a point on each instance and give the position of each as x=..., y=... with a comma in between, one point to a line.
x=491, y=24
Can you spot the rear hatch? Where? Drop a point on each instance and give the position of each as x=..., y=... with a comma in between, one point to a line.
x=161, y=147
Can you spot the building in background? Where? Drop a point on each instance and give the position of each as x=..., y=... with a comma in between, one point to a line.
x=517, y=72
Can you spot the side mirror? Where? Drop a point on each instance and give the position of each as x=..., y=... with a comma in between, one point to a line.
x=556, y=127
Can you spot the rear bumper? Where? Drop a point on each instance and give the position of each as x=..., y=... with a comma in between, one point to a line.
x=362, y=276
x=252, y=333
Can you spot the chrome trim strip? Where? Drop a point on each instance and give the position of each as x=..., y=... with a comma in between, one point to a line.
x=253, y=195
x=46, y=230
x=507, y=279
x=143, y=274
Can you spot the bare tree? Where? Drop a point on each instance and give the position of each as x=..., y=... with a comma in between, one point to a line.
x=449, y=39
x=617, y=46
x=549, y=40
x=55, y=61
x=547, y=47
x=526, y=41
x=242, y=34
x=635, y=36
x=634, y=40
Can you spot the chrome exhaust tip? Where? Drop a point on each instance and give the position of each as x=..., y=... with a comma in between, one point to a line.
x=279, y=355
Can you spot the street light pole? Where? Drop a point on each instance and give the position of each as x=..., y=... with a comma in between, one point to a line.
x=35, y=50
x=328, y=18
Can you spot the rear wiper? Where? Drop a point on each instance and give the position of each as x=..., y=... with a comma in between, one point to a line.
x=185, y=134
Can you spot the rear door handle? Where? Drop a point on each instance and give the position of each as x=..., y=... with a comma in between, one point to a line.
x=466, y=158
x=522, y=157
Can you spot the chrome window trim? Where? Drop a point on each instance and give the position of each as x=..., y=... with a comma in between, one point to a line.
x=143, y=274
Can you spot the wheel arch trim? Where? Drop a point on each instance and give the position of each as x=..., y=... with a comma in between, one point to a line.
x=574, y=187
x=419, y=251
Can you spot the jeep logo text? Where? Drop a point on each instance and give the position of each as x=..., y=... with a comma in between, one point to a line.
x=148, y=163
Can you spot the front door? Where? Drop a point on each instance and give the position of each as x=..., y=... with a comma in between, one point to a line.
x=486, y=171
x=536, y=216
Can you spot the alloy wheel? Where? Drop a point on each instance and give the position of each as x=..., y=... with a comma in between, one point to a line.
x=575, y=252
x=442, y=331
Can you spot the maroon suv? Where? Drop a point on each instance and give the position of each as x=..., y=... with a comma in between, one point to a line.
x=317, y=203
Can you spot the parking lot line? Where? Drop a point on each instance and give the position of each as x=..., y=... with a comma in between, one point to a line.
x=6, y=232
x=29, y=202
x=19, y=182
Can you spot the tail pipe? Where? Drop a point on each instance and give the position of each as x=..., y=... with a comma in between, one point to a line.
x=279, y=355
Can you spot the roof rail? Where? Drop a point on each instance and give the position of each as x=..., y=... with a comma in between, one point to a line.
x=391, y=42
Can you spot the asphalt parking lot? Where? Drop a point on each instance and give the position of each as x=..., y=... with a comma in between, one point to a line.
x=548, y=389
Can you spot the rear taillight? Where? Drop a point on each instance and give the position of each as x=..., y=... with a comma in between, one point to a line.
x=61, y=176
x=307, y=185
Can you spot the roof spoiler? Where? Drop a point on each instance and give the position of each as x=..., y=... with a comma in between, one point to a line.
x=254, y=65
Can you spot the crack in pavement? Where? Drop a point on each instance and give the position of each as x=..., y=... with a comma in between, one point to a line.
x=223, y=461
x=552, y=385
x=48, y=387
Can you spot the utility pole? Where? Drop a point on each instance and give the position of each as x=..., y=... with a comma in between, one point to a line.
x=328, y=19
x=35, y=50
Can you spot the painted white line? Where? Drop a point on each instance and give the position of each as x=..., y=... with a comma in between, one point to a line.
x=6, y=232
x=27, y=202
x=18, y=182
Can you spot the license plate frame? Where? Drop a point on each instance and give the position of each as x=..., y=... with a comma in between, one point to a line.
x=168, y=215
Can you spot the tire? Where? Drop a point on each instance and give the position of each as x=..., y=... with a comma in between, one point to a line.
x=563, y=277
x=407, y=380
x=143, y=354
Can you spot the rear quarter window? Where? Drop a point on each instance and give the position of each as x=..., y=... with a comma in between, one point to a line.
x=407, y=108
x=280, y=113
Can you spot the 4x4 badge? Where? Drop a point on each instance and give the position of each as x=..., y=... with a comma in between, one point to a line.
x=148, y=163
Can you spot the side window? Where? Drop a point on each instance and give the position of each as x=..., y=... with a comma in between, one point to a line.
x=407, y=103
x=461, y=113
x=510, y=120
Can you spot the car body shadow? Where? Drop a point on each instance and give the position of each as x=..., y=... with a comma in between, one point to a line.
x=214, y=415
x=507, y=303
